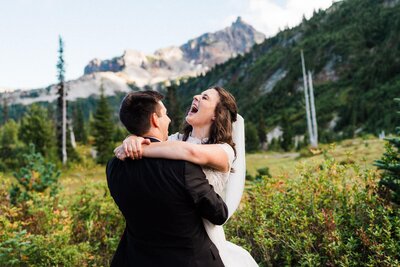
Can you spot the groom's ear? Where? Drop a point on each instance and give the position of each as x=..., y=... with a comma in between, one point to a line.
x=154, y=120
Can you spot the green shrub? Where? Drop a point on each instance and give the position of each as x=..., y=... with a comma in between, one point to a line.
x=97, y=221
x=390, y=165
x=38, y=233
x=36, y=176
x=51, y=231
x=330, y=215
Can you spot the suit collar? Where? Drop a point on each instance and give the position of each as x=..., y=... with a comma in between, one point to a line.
x=152, y=139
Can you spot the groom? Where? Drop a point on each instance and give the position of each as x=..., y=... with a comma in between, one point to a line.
x=163, y=201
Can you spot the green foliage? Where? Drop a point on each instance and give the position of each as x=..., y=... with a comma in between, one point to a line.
x=36, y=128
x=10, y=146
x=262, y=173
x=261, y=130
x=353, y=51
x=51, y=231
x=79, y=126
x=4, y=108
x=61, y=100
x=330, y=215
x=120, y=133
x=36, y=176
x=287, y=136
x=275, y=144
x=251, y=135
x=103, y=131
x=175, y=110
x=390, y=164
x=97, y=222
x=72, y=154
x=38, y=233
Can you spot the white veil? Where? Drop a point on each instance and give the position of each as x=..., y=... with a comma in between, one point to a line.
x=235, y=186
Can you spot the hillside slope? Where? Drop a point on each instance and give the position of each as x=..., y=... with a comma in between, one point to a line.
x=353, y=51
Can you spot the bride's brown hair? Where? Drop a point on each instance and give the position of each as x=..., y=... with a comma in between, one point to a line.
x=225, y=114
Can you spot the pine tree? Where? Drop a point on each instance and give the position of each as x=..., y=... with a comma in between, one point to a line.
x=37, y=129
x=5, y=108
x=251, y=137
x=261, y=130
x=10, y=146
x=81, y=133
x=61, y=105
x=390, y=164
x=103, y=130
x=119, y=134
x=174, y=109
x=287, y=136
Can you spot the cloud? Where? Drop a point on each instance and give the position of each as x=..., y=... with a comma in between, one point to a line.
x=270, y=16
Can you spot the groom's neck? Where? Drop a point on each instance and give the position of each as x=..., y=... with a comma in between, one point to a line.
x=153, y=134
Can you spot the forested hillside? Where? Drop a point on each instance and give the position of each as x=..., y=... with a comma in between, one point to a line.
x=353, y=51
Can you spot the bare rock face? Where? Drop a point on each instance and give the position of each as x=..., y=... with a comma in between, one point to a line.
x=191, y=59
x=215, y=48
x=97, y=65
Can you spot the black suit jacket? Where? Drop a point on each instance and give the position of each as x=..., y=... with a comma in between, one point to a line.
x=163, y=202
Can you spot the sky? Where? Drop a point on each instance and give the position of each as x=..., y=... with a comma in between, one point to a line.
x=29, y=30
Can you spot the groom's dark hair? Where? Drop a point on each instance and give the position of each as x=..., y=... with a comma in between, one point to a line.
x=136, y=110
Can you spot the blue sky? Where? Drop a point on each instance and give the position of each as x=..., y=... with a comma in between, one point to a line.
x=103, y=29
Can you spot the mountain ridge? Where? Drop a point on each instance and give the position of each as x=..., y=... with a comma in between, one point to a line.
x=136, y=70
x=353, y=51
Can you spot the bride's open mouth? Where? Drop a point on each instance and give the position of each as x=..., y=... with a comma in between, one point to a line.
x=193, y=110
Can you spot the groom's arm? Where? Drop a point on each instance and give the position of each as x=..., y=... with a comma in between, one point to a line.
x=210, y=204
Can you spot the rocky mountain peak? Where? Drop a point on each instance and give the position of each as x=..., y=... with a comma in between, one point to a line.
x=239, y=23
x=196, y=56
x=135, y=68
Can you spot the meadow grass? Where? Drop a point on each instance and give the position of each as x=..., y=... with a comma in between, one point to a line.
x=358, y=150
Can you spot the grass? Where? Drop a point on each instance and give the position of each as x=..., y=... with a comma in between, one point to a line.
x=280, y=164
x=284, y=164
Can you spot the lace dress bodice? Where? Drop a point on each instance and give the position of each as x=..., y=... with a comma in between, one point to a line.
x=216, y=178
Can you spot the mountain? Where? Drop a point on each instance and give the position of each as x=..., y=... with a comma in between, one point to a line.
x=195, y=57
x=353, y=52
x=135, y=70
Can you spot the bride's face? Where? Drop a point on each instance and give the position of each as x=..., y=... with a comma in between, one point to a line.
x=202, y=111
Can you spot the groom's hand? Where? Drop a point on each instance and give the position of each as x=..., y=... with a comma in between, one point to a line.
x=132, y=146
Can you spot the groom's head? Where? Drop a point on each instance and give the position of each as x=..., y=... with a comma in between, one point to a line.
x=143, y=114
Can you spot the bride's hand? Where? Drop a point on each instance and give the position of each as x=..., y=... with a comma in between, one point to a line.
x=120, y=153
x=132, y=146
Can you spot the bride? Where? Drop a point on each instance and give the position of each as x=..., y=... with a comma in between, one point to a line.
x=213, y=137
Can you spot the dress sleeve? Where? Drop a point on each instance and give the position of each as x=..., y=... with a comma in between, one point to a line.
x=229, y=151
x=175, y=137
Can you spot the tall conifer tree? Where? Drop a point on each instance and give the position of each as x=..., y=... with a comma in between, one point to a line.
x=81, y=133
x=390, y=164
x=5, y=108
x=174, y=109
x=61, y=105
x=103, y=130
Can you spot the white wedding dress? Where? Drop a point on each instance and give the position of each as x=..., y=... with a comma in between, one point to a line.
x=230, y=187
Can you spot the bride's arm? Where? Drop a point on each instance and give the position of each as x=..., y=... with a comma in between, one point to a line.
x=211, y=155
